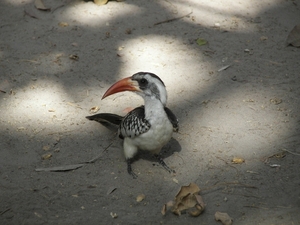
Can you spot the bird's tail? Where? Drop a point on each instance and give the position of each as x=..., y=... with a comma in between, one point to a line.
x=106, y=118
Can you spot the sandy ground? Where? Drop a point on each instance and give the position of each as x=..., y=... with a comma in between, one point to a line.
x=55, y=65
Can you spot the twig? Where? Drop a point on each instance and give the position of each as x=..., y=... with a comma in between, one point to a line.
x=224, y=68
x=254, y=206
x=173, y=19
x=293, y=153
x=227, y=184
x=3, y=91
x=4, y=211
x=60, y=168
x=98, y=156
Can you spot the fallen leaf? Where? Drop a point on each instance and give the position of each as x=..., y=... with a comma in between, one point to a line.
x=46, y=147
x=175, y=180
x=166, y=207
x=224, y=218
x=94, y=109
x=201, y=41
x=46, y=156
x=238, y=160
x=38, y=215
x=187, y=198
x=40, y=5
x=199, y=206
x=128, y=31
x=63, y=24
x=100, y=2
x=294, y=37
x=140, y=197
x=74, y=57
x=263, y=38
x=276, y=101
x=113, y=215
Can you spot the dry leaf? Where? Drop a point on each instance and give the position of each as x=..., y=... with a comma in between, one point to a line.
x=175, y=180
x=224, y=218
x=201, y=41
x=46, y=147
x=166, y=207
x=188, y=198
x=294, y=37
x=40, y=5
x=238, y=160
x=46, y=156
x=74, y=57
x=113, y=215
x=276, y=101
x=100, y=2
x=63, y=24
x=140, y=197
x=263, y=38
x=94, y=109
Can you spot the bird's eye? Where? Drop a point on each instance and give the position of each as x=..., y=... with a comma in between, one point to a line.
x=143, y=81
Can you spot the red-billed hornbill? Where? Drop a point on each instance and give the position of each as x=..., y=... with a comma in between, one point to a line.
x=147, y=127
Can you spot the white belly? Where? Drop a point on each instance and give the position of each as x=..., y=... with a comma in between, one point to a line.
x=158, y=135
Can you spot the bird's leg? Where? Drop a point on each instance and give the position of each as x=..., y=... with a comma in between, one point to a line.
x=162, y=162
x=129, y=169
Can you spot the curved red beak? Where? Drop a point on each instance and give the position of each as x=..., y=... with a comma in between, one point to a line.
x=126, y=84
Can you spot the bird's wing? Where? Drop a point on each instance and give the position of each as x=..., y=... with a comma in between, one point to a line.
x=173, y=119
x=134, y=123
x=106, y=118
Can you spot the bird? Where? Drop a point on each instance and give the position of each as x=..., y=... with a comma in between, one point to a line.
x=148, y=127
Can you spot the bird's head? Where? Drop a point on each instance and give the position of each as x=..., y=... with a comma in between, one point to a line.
x=147, y=85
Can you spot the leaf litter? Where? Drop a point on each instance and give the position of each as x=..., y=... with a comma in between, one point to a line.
x=187, y=199
x=40, y=5
x=224, y=218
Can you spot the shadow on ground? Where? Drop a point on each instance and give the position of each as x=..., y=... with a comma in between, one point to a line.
x=56, y=65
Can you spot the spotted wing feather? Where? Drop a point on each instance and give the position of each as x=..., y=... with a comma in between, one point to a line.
x=134, y=123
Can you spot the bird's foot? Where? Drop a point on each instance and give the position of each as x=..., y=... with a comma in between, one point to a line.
x=162, y=162
x=129, y=169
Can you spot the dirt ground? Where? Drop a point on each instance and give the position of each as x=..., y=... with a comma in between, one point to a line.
x=55, y=66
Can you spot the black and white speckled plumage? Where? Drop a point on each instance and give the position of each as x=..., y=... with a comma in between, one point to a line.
x=134, y=123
